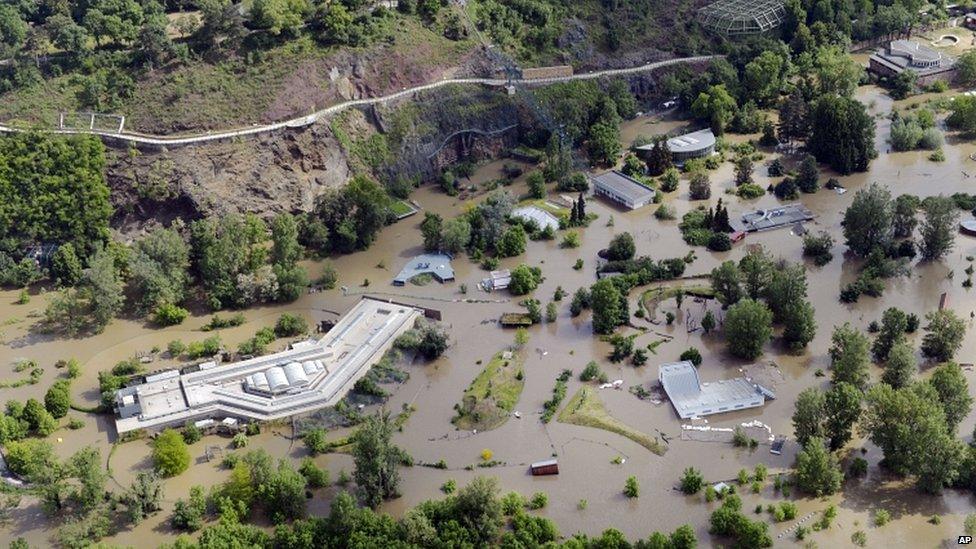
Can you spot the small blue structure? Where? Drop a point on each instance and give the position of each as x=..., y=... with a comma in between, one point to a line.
x=438, y=265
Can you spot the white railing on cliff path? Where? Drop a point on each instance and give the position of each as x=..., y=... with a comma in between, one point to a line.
x=307, y=120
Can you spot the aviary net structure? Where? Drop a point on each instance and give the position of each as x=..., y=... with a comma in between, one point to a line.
x=742, y=17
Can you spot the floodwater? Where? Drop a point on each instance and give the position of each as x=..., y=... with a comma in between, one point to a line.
x=585, y=454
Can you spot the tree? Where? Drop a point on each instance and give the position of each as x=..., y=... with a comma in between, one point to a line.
x=904, y=220
x=787, y=287
x=700, y=186
x=842, y=409
x=715, y=106
x=868, y=220
x=963, y=117
x=757, y=272
x=170, y=454
x=290, y=325
x=817, y=472
x=950, y=384
x=849, y=356
x=537, y=185
x=632, y=487
x=966, y=69
x=809, y=415
x=158, y=268
x=603, y=146
x=794, y=122
x=57, y=400
x=116, y=20
x=743, y=170
x=621, y=247
x=155, y=44
x=431, y=228
x=683, y=538
x=894, y=323
x=943, y=335
x=285, y=249
x=456, y=235
x=900, y=367
x=727, y=282
x=315, y=442
x=524, y=280
x=836, y=72
x=478, y=510
x=144, y=497
x=66, y=267
x=605, y=301
x=938, y=227
x=763, y=76
x=808, y=178
x=842, y=134
x=86, y=466
x=376, y=459
x=558, y=159
x=188, y=515
x=38, y=419
x=708, y=322
x=280, y=16
x=512, y=242
x=659, y=159
x=283, y=493
x=692, y=481
x=13, y=29
x=747, y=328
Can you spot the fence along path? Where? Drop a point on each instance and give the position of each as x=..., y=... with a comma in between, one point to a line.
x=307, y=120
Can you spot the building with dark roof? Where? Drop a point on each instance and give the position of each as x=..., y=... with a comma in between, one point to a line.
x=899, y=56
x=772, y=218
x=622, y=189
x=742, y=17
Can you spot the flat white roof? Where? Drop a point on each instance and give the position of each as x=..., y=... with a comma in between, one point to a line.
x=337, y=361
x=690, y=397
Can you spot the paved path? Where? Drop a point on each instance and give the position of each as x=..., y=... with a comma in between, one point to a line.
x=302, y=121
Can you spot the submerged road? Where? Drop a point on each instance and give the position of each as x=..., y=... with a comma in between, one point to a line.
x=307, y=120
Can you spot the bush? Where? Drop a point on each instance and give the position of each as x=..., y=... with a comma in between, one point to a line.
x=316, y=476
x=817, y=247
x=290, y=325
x=591, y=372
x=632, y=487
x=719, y=242
x=175, y=348
x=239, y=440
x=170, y=454
x=168, y=314
x=665, y=212
x=538, y=500
x=693, y=355
x=57, y=400
x=692, y=481
x=570, y=240
x=315, y=442
x=750, y=191
x=881, y=517
x=191, y=433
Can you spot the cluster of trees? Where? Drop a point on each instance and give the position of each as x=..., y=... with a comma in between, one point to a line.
x=757, y=292
x=711, y=228
x=914, y=131
x=881, y=229
x=823, y=421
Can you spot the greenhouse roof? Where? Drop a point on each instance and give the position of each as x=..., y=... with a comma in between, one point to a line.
x=738, y=17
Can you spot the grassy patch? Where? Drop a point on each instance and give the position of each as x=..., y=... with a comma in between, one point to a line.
x=491, y=397
x=652, y=297
x=422, y=279
x=586, y=409
x=401, y=209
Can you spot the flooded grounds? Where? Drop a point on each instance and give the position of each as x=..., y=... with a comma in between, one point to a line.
x=585, y=455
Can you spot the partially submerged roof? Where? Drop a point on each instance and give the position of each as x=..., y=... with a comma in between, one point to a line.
x=438, y=265
x=690, y=142
x=772, y=218
x=540, y=217
x=692, y=398
x=624, y=186
x=742, y=16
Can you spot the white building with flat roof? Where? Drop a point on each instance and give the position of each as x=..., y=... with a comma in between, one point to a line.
x=622, y=189
x=692, y=398
x=308, y=376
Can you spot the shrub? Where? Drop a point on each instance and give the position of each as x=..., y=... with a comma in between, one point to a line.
x=168, y=314
x=290, y=325
x=175, y=348
x=239, y=440
x=570, y=240
x=590, y=372
x=170, y=454
x=632, y=487
x=315, y=442
x=719, y=242
x=881, y=517
x=191, y=433
x=692, y=481
x=449, y=486
x=691, y=354
x=538, y=500
x=665, y=212
x=750, y=191
x=316, y=476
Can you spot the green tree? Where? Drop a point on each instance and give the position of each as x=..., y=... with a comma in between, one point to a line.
x=282, y=494
x=456, y=235
x=524, y=280
x=894, y=323
x=86, y=466
x=743, y=170
x=817, y=472
x=757, y=272
x=605, y=303
x=904, y=219
x=285, y=249
x=747, y=328
x=868, y=220
x=431, y=228
x=188, y=515
x=603, y=145
x=943, y=335
x=808, y=178
x=38, y=419
x=13, y=29
x=727, y=282
x=950, y=384
x=621, y=247
x=170, y=454
x=787, y=288
x=315, y=441
x=842, y=134
x=966, y=69
x=836, y=72
x=478, y=511
x=144, y=497
x=512, y=242
x=659, y=162
x=809, y=415
x=66, y=267
x=159, y=269
x=938, y=227
x=102, y=286
x=900, y=368
x=700, y=186
x=849, y=356
x=115, y=20
x=537, y=185
x=963, y=117
x=799, y=325
x=57, y=400
x=842, y=408
x=280, y=16
x=376, y=459
x=632, y=487
x=763, y=76
x=715, y=106
x=692, y=481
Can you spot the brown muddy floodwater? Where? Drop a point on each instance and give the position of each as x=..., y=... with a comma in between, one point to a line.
x=585, y=454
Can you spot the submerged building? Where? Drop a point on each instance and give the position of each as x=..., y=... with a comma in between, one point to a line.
x=437, y=265
x=692, y=398
x=900, y=56
x=310, y=375
x=622, y=189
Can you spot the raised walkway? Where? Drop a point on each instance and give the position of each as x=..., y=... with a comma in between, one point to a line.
x=307, y=120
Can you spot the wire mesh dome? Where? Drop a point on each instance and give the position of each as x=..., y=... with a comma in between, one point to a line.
x=739, y=17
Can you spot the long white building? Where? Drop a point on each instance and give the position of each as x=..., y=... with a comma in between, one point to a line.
x=310, y=375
